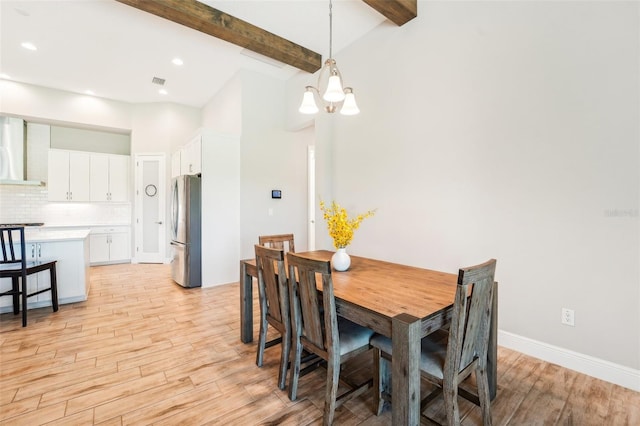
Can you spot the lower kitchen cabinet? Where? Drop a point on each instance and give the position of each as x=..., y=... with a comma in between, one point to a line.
x=72, y=270
x=110, y=245
x=40, y=252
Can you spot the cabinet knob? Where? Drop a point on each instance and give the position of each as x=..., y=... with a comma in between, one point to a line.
x=159, y=223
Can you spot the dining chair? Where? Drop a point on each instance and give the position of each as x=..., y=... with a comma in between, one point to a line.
x=273, y=293
x=15, y=265
x=318, y=329
x=281, y=241
x=449, y=357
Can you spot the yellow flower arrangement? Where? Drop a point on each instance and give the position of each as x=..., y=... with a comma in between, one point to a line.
x=340, y=227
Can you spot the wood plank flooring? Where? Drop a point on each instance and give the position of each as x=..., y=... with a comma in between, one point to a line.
x=142, y=350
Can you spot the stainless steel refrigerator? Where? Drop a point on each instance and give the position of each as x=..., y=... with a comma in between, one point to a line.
x=186, y=247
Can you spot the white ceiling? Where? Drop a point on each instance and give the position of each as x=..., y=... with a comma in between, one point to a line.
x=115, y=50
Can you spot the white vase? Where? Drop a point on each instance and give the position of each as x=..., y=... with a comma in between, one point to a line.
x=340, y=260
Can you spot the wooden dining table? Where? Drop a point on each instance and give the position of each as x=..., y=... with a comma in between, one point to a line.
x=402, y=302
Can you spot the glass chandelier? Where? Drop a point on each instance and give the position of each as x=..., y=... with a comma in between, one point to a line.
x=331, y=78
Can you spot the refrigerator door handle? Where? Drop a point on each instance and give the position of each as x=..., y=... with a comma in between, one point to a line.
x=174, y=209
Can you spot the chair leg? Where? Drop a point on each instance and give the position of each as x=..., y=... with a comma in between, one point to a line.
x=15, y=288
x=54, y=287
x=285, y=350
x=331, y=393
x=296, y=354
x=450, y=394
x=483, y=394
x=262, y=339
x=23, y=285
x=381, y=380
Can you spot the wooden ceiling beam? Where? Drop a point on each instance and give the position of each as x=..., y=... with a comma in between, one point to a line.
x=216, y=23
x=398, y=11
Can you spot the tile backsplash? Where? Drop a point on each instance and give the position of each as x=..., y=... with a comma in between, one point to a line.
x=20, y=203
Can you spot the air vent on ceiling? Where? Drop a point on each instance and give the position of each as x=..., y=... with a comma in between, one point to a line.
x=158, y=80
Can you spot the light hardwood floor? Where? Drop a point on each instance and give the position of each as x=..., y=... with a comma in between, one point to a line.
x=142, y=350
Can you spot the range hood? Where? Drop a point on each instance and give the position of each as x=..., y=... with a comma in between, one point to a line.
x=13, y=152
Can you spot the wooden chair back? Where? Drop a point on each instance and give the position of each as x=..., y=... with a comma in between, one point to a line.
x=282, y=242
x=316, y=328
x=470, y=324
x=272, y=285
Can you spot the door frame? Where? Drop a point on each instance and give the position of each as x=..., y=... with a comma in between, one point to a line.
x=162, y=201
x=311, y=197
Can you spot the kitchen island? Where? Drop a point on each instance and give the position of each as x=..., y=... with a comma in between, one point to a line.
x=70, y=248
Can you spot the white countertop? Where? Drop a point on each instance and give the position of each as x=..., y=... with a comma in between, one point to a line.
x=46, y=235
x=47, y=226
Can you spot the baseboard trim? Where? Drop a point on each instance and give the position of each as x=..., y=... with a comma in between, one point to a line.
x=594, y=367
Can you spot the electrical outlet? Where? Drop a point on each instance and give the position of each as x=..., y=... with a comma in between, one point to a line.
x=568, y=317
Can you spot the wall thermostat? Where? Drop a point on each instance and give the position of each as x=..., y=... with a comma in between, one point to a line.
x=276, y=193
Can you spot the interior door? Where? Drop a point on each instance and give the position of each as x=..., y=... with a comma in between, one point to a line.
x=150, y=224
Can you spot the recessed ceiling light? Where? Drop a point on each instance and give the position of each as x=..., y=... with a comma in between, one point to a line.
x=177, y=61
x=29, y=46
x=89, y=92
x=163, y=92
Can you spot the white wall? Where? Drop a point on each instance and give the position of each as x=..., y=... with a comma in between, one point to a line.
x=270, y=158
x=220, y=208
x=72, y=138
x=506, y=130
x=223, y=114
x=50, y=105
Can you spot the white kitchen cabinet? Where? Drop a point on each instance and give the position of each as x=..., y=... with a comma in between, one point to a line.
x=69, y=174
x=109, y=177
x=110, y=245
x=69, y=249
x=175, y=163
x=191, y=157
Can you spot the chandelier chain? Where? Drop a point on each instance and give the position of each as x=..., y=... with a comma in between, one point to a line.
x=330, y=30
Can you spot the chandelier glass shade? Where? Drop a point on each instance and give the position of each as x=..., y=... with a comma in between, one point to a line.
x=329, y=91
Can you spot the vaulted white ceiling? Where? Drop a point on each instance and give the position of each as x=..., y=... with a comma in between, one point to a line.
x=116, y=50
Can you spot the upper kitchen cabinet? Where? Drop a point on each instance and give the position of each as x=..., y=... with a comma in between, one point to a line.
x=191, y=157
x=88, y=165
x=69, y=175
x=109, y=177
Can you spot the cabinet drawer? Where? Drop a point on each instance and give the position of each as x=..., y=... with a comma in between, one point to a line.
x=109, y=229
